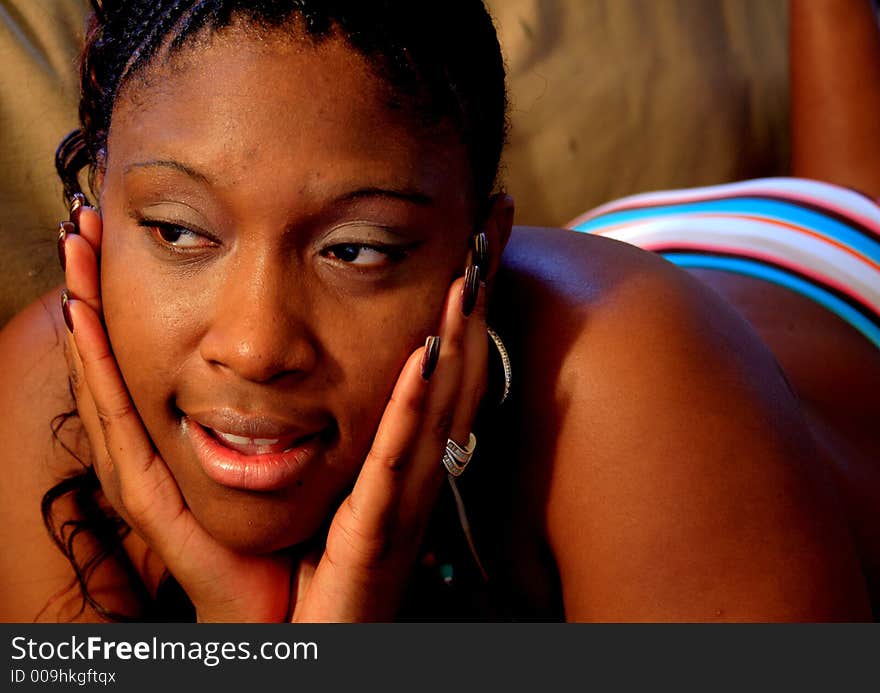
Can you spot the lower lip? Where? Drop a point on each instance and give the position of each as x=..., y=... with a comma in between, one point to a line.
x=230, y=468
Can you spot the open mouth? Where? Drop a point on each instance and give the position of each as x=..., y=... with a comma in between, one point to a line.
x=253, y=463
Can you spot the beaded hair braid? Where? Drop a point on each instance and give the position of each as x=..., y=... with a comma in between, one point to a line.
x=443, y=64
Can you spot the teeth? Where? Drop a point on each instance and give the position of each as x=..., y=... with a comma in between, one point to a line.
x=258, y=446
x=244, y=440
x=237, y=440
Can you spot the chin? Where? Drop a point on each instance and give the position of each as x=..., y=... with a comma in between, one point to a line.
x=261, y=522
x=260, y=526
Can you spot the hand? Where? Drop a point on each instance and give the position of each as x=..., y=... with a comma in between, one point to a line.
x=221, y=583
x=375, y=534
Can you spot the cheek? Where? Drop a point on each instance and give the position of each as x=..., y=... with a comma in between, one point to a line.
x=372, y=350
x=149, y=322
x=156, y=323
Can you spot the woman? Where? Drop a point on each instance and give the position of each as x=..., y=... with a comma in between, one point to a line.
x=297, y=256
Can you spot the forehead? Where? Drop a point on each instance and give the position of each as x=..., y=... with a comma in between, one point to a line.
x=236, y=103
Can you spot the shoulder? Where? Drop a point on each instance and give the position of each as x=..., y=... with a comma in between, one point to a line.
x=577, y=305
x=668, y=462
x=34, y=397
x=33, y=379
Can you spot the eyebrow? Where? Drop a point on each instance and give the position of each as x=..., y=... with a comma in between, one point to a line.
x=415, y=196
x=406, y=194
x=169, y=163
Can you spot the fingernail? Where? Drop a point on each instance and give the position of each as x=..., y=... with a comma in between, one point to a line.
x=65, y=310
x=430, y=356
x=470, y=289
x=64, y=228
x=481, y=251
x=76, y=205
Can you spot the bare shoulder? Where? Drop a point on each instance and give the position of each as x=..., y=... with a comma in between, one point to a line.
x=34, y=392
x=677, y=477
x=34, y=396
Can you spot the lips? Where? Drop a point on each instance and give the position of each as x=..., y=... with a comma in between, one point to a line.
x=253, y=453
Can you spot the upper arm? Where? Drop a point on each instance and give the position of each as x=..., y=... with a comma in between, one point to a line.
x=684, y=484
x=36, y=580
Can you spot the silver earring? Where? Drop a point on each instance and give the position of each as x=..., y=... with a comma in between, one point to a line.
x=505, y=362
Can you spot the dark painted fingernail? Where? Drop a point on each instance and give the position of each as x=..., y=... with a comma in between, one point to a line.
x=76, y=204
x=470, y=289
x=65, y=309
x=429, y=358
x=64, y=228
x=481, y=251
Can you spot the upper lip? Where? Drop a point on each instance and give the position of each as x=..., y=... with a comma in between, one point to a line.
x=255, y=425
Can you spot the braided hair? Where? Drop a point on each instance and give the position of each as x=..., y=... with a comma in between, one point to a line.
x=443, y=65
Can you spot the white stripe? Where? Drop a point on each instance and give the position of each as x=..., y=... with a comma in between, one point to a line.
x=843, y=200
x=763, y=239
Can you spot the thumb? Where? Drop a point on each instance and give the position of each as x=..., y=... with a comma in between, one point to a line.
x=302, y=575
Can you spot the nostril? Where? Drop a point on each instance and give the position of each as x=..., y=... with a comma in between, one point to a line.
x=256, y=330
x=263, y=356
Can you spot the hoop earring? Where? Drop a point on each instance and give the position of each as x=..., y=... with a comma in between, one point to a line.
x=505, y=362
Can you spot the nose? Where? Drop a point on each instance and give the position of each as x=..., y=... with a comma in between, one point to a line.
x=259, y=330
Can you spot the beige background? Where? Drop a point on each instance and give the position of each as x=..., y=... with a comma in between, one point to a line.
x=609, y=97
x=612, y=97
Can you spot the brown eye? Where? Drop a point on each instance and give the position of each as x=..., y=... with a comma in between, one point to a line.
x=176, y=236
x=169, y=234
x=362, y=255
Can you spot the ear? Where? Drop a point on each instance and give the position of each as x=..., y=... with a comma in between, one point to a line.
x=96, y=184
x=497, y=227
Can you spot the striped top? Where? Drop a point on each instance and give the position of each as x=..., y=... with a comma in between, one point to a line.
x=818, y=239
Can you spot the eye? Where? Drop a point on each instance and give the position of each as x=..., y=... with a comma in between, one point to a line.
x=176, y=237
x=362, y=255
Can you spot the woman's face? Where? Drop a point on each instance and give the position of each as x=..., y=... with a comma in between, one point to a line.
x=278, y=238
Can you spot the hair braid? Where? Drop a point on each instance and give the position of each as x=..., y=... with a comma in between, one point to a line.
x=118, y=35
x=465, y=82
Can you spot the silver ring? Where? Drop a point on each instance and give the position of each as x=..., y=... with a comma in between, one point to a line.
x=456, y=458
x=451, y=466
x=459, y=453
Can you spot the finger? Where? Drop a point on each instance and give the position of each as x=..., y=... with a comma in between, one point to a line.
x=148, y=493
x=302, y=576
x=442, y=403
x=474, y=372
x=88, y=224
x=415, y=417
x=379, y=483
x=85, y=406
x=413, y=430
x=81, y=272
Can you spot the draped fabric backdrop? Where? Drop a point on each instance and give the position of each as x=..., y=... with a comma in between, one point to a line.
x=609, y=97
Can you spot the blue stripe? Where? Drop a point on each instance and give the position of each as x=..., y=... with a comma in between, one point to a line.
x=771, y=209
x=778, y=276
